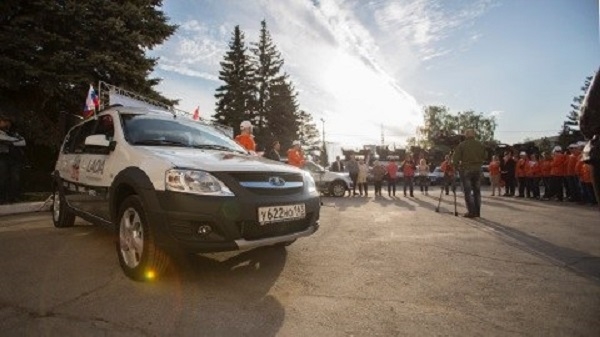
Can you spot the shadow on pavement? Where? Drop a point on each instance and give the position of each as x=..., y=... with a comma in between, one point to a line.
x=581, y=263
x=231, y=287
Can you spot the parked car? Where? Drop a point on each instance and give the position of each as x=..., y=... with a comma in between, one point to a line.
x=485, y=172
x=328, y=182
x=167, y=185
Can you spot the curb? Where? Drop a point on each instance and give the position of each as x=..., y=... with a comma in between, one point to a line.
x=26, y=207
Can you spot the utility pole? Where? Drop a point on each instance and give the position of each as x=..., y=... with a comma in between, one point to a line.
x=382, y=136
x=323, y=158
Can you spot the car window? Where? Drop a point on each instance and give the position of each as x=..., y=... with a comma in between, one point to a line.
x=105, y=126
x=154, y=130
x=80, y=135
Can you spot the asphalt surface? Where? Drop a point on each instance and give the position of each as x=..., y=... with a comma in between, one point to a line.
x=377, y=267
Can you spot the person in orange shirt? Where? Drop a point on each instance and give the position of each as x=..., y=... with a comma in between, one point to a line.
x=557, y=173
x=494, y=168
x=534, y=173
x=585, y=175
x=449, y=175
x=245, y=138
x=296, y=155
x=571, y=175
x=521, y=174
x=546, y=167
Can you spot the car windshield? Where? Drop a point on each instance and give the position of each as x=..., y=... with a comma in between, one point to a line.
x=167, y=131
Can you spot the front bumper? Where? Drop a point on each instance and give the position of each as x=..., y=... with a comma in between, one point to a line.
x=179, y=219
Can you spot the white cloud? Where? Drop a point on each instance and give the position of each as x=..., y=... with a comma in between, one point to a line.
x=343, y=56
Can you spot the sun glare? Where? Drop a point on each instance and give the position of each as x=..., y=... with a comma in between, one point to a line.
x=364, y=100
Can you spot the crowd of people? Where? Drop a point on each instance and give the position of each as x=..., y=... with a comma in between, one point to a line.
x=560, y=175
x=11, y=161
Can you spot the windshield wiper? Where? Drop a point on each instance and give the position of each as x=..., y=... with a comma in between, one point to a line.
x=216, y=147
x=160, y=142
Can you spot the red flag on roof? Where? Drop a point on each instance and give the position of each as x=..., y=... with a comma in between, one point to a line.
x=91, y=103
x=197, y=113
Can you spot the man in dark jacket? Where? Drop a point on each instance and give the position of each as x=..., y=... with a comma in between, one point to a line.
x=468, y=158
x=589, y=124
x=273, y=152
x=337, y=165
x=508, y=167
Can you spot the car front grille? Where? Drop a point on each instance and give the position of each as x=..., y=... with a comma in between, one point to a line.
x=259, y=182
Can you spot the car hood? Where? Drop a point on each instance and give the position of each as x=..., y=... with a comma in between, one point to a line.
x=216, y=161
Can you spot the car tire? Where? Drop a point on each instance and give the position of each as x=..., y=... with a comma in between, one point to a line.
x=337, y=189
x=139, y=256
x=62, y=217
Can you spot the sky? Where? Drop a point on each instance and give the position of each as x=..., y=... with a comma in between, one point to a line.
x=368, y=67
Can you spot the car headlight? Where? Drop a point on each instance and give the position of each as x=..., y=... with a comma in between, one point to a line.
x=310, y=182
x=196, y=182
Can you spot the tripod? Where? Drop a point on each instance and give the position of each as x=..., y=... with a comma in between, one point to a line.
x=453, y=186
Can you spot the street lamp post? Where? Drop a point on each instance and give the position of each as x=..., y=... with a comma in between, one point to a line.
x=323, y=159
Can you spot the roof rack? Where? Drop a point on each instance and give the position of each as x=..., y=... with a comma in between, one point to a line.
x=111, y=95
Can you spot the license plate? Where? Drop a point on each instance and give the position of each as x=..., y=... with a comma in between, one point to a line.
x=281, y=213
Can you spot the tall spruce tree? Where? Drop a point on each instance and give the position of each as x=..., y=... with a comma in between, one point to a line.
x=570, y=128
x=235, y=99
x=308, y=133
x=269, y=78
x=283, y=125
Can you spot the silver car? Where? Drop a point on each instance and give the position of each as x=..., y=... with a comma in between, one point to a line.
x=329, y=183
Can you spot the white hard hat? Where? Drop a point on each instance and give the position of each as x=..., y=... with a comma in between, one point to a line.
x=581, y=143
x=523, y=153
x=557, y=149
x=296, y=142
x=572, y=146
x=245, y=124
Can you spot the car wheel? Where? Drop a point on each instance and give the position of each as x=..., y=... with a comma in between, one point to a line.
x=61, y=216
x=139, y=257
x=337, y=189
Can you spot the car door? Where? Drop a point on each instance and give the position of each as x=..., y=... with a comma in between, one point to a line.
x=95, y=167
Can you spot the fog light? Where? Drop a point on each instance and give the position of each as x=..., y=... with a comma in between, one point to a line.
x=204, y=230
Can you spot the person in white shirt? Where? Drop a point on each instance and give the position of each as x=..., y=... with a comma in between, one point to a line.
x=423, y=169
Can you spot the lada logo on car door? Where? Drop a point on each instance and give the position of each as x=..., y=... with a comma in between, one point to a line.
x=276, y=181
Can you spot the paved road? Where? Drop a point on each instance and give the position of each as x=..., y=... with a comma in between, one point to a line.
x=377, y=267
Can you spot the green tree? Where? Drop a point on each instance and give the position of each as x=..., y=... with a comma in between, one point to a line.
x=570, y=129
x=439, y=125
x=284, y=125
x=268, y=80
x=52, y=50
x=308, y=133
x=235, y=98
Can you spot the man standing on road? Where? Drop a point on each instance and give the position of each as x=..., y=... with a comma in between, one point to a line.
x=468, y=157
x=352, y=166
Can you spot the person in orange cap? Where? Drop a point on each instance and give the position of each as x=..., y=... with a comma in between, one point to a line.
x=296, y=155
x=571, y=175
x=534, y=172
x=585, y=176
x=245, y=138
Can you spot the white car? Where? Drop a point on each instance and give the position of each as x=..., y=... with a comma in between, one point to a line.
x=328, y=182
x=170, y=184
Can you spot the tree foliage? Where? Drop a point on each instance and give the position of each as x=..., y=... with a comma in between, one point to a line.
x=52, y=50
x=256, y=88
x=235, y=99
x=438, y=121
x=570, y=129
